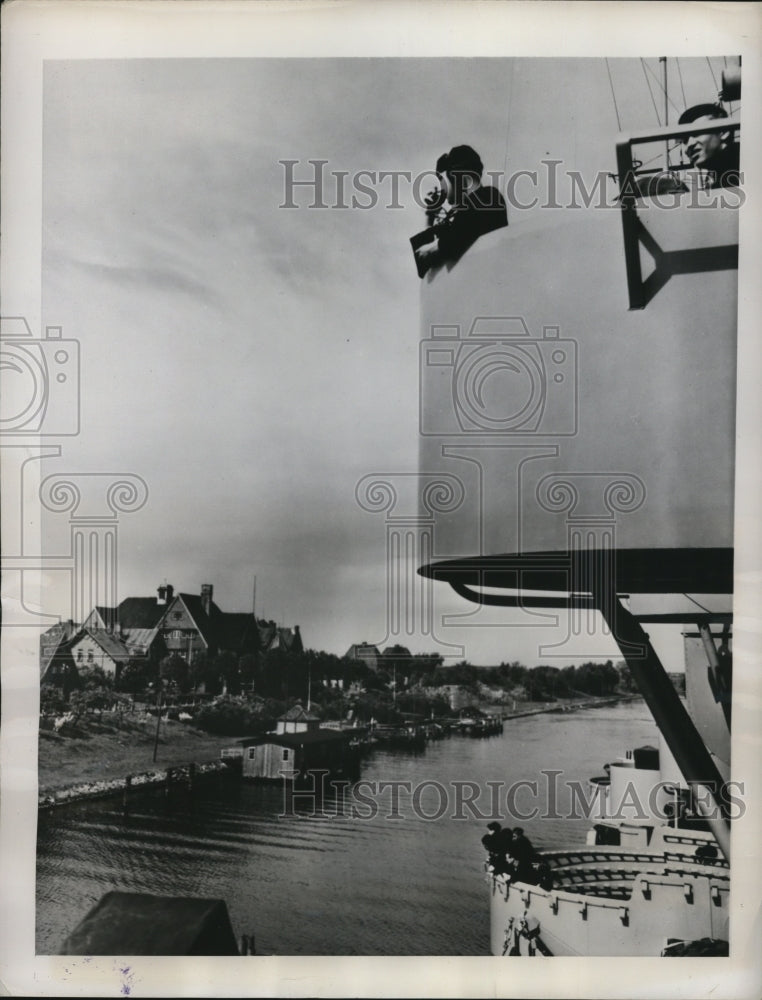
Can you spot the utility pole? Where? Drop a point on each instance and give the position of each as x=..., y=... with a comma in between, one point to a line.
x=158, y=722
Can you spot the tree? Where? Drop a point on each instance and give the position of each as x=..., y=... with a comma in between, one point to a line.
x=52, y=701
x=137, y=675
x=226, y=665
x=247, y=671
x=174, y=673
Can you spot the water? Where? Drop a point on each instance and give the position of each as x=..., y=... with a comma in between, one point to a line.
x=330, y=883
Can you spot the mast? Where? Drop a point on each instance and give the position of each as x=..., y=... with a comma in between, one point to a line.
x=663, y=61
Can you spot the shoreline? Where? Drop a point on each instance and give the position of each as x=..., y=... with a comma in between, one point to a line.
x=51, y=796
x=562, y=708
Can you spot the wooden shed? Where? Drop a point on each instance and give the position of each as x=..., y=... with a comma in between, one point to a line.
x=278, y=756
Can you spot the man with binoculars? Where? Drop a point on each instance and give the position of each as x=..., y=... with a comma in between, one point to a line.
x=474, y=209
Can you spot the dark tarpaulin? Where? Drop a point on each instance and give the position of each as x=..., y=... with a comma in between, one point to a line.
x=127, y=923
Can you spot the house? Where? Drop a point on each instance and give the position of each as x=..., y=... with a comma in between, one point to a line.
x=99, y=648
x=192, y=624
x=138, y=623
x=298, y=745
x=364, y=652
x=297, y=720
x=56, y=662
x=153, y=627
x=272, y=637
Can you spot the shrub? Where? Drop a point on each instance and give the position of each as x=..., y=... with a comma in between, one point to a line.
x=230, y=716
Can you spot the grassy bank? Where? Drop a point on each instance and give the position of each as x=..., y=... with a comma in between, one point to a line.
x=100, y=750
x=103, y=749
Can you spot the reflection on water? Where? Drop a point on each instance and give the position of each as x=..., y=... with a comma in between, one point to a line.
x=330, y=882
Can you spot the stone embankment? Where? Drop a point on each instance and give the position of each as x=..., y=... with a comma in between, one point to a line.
x=94, y=789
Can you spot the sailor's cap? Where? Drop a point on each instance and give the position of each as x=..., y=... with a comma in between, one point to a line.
x=701, y=111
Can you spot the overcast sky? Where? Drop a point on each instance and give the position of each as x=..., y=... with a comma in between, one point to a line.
x=250, y=362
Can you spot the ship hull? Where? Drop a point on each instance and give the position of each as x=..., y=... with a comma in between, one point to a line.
x=632, y=903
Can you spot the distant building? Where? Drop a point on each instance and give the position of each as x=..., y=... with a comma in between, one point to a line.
x=364, y=652
x=98, y=648
x=298, y=745
x=272, y=637
x=297, y=720
x=56, y=661
x=153, y=627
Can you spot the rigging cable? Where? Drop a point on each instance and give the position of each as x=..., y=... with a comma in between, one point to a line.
x=682, y=88
x=613, y=96
x=508, y=119
x=661, y=87
x=714, y=78
x=648, y=83
x=658, y=156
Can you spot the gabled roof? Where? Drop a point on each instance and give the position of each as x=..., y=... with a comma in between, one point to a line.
x=61, y=631
x=140, y=612
x=297, y=713
x=138, y=638
x=108, y=642
x=55, y=643
x=272, y=636
x=208, y=625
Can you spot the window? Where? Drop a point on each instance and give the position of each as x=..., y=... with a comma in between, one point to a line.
x=285, y=754
x=79, y=655
x=176, y=633
x=252, y=753
x=89, y=656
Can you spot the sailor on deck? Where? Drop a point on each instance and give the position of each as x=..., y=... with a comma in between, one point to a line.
x=716, y=152
x=475, y=209
x=497, y=844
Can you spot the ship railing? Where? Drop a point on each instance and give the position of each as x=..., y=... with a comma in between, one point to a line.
x=599, y=856
x=632, y=188
x=616, y=905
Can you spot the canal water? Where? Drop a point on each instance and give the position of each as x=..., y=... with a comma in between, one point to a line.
x=358, y=874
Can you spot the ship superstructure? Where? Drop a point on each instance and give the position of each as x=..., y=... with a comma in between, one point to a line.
x=578, y=390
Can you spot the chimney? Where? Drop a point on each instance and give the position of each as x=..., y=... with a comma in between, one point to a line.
x=162, y=592
x=206, y=597
x=170, y=593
